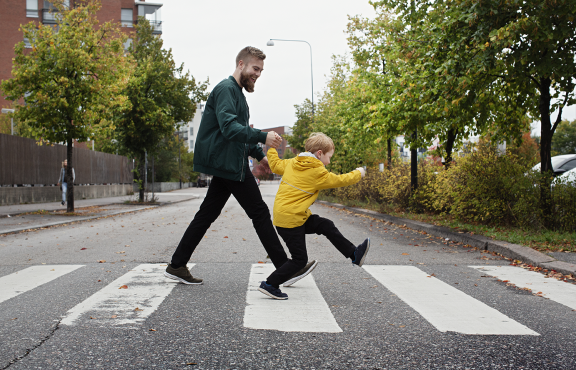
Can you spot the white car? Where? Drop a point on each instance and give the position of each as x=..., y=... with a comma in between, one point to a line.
x=560, y=164
x=566, y=177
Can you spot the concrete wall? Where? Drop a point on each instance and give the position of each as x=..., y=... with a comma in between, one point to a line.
x=162, y=187
x=45, y=194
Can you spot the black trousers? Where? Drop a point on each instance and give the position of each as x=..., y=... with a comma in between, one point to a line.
x=295, y=239
x=248, y=195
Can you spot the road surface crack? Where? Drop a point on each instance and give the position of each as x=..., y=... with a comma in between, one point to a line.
x=29, y=350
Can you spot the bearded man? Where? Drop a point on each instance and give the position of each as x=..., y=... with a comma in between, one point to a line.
x=224, y=142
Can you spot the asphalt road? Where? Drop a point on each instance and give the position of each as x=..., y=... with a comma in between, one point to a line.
x=416, y=304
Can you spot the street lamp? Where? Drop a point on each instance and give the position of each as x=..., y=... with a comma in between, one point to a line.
x=271, y=43
x=6, y=110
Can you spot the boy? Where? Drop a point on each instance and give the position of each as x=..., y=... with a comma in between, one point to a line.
x=303, y=178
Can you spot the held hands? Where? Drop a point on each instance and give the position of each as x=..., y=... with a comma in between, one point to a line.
x=273, y=139
x=362, y=171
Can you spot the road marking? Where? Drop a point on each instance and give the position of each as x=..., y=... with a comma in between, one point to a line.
x=305, y=309
x=444, y=306
x=557, y=291
x=130, y=299
x=30, y=278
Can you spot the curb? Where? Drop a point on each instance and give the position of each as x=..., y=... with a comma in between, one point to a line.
x=94, y=217
x=70, y=221
x=513, y=251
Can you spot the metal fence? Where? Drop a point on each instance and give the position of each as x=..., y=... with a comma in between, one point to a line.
x=22, y=161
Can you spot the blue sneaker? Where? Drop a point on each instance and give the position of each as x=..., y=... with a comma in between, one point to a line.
x=272, y=292
x=360, y=252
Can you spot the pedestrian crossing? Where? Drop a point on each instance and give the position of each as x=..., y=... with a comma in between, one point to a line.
x=131, y=298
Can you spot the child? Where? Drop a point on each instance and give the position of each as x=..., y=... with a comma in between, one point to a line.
x=303, y=178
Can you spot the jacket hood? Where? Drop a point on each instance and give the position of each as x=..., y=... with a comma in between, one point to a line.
x=304, y=162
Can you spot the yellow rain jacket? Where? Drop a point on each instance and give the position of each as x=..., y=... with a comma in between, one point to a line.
x=302, y=179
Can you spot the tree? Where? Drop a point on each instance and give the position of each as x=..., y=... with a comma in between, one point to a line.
x=71, y=81
x=303, y=125
x=564, y=141
x=161, y=95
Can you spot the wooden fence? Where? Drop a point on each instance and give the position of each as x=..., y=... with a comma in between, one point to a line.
x=22, y=161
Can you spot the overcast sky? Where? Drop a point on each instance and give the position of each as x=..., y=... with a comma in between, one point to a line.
x=207, y=35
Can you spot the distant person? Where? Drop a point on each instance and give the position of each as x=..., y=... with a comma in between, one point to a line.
x=302, y=179
x=62, y=180
x=225, y=141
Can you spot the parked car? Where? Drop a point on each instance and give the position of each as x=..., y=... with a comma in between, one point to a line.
x=201, y=183
x=568, y=177
x=257, y=181
x=561, y=164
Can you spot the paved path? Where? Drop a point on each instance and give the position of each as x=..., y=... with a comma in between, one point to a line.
x=91, y=295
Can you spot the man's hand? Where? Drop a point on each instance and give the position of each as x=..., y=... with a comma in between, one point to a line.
x=273, y=139
x=362, y=171
x=264, y=160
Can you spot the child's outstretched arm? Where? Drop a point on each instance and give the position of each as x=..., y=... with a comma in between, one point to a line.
x=328, y=180
x=276, y=164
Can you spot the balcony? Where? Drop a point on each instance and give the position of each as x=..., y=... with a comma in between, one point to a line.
x=156, y=26
x=151, y=12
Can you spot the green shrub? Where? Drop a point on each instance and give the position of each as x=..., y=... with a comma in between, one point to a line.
x=483, y=187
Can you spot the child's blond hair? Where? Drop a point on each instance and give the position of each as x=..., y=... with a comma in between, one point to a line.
x=319, y=141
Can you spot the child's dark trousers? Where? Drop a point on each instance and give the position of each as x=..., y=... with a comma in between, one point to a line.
x=295, y=239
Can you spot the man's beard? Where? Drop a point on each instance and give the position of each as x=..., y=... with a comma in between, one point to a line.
x=247, y=82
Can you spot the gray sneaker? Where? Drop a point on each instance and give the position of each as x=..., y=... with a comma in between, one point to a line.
x=302, y=273
x=182, y=274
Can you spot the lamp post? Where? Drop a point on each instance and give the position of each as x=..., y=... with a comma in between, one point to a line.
x=6, y=110
x=271, y=43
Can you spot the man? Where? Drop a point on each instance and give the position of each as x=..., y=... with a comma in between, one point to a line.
x=224, y=142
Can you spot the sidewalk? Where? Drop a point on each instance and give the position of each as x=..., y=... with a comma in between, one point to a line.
x=14, y=218
x=564, y=263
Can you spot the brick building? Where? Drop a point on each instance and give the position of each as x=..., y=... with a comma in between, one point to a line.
x=19, y=12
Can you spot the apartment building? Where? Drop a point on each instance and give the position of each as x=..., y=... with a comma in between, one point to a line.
x=19, y=12
x=189, y=130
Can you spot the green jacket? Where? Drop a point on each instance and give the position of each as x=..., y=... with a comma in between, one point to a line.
x=225, y=139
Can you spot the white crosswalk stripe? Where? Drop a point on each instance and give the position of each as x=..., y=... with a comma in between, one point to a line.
x=130, y=299
x=133, y=297
x=444, y=306
x=32, y=277
x=552, y=289
x=305, y=310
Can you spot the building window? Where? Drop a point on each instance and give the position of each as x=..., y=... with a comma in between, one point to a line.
x=27, y=44
x=192, y=144
x=191, y=131
x=127, y=44
x=32, y=8
x=126, y=17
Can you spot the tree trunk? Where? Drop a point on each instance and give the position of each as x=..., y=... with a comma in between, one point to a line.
x=414, y=163
x=452, y=134
x=545, y=149
x=389, y=154
x=141, y=177
x=69, y=177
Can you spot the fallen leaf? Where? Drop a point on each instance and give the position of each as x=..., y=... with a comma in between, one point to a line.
x=151, y=329
x=99, y=280
x=225, y=237
x=243, y=239
x=138, y=309
x=401, y=326
x=405, y=254
x=191, y=363
x=261, y=262
x=101, y=261
x=83, y=249
x=114, y=316
x=123, y=287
